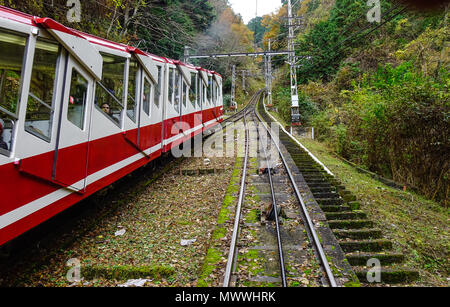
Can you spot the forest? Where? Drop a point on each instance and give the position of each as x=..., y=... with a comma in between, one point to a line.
x=376, y=93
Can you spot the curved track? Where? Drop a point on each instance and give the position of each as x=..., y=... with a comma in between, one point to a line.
x=250, y=111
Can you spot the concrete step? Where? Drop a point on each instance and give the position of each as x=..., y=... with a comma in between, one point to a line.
x=322, y=184
x=316, y=181
x=334, y=208
x=329, y=201
x=322, y=189
x=349, y=215
x=350, y=224
x=358, y=234
x=365, y=245
x=361, y=259
x=388, y=275
x=321, y=195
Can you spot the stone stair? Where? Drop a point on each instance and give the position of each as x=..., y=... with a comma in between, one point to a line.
x=358, y=237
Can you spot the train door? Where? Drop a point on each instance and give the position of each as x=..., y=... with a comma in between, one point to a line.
x=203, y=81
x=145, y=129
x=195, y=101
x=133, y=102
x=157, y=109
x=72, y=146
x=186, y=122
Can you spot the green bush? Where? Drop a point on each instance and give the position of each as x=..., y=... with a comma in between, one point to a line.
x=282, y=100
x=396, y=123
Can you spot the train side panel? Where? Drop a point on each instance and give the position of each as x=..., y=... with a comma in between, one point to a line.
x=85, y=127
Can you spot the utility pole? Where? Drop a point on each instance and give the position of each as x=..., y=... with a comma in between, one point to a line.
x=295, y=113
x=186, y=54
x=269, y=76
x=266, y=79
x=233, y=86
x=243, y=79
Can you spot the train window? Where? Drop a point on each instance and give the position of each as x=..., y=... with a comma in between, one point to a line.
x=132, y=82
x=109, y=91
x=217, y=94
x=205, y=89
x=147, y=96
x=214, y=93
x=198, y=92
x=177, y=91
x=209, y=90
x=40, y=109
x=12, y=48
x=158, y=88
x=6, y=132
x=78, y=99
x=11, y=58
x=193, y=89
x=185, y=96
x=171, y=85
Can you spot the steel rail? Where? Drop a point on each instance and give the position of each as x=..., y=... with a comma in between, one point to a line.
x=275, y=212
x=237, y=116
x=230, y=262
x=310, y=225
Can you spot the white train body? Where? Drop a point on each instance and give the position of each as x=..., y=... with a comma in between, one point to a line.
x=78, y=113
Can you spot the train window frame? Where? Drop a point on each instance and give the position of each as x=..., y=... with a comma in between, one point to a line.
x=213, y=90
x=216, y=92
x=170, y=95
x=86, y=99
x=20, y=38
x=209, y=92
x=34, y=131
x=193, y=90
x=136, y=87
x=149, y=81
x=205, y=95
x=117, y=121
x=177, y=90
x=157, y=91
x=199, y=94
x=185, y=93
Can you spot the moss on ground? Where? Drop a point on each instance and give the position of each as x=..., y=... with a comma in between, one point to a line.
x=127, y=272
x=214, y=254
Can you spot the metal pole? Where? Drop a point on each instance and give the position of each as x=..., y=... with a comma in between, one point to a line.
x=269, y=77
x=186, y=54
x=266, y=73
x=293, y=70
x=233, y=86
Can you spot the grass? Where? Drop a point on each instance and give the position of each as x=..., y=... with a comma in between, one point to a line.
x=417, y=226
x=214, y=255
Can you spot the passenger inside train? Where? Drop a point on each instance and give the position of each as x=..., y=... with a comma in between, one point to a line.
x=107, y=109
x=109, y=90
x=3, y=145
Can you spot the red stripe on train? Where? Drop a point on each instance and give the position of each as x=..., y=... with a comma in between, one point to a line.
x=18, y=189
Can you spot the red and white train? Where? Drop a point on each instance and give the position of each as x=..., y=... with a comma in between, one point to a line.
x=78, y=112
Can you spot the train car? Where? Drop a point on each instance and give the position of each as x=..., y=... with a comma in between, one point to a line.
x=78, y=112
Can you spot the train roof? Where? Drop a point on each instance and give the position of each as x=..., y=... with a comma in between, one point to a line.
x=30, y=20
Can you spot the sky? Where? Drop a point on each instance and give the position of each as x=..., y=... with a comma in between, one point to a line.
x=247, y=8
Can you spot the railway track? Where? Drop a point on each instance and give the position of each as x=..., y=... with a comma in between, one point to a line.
x=280, y=231
x=240, y=114
x=236, y=228
x=358, y=238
